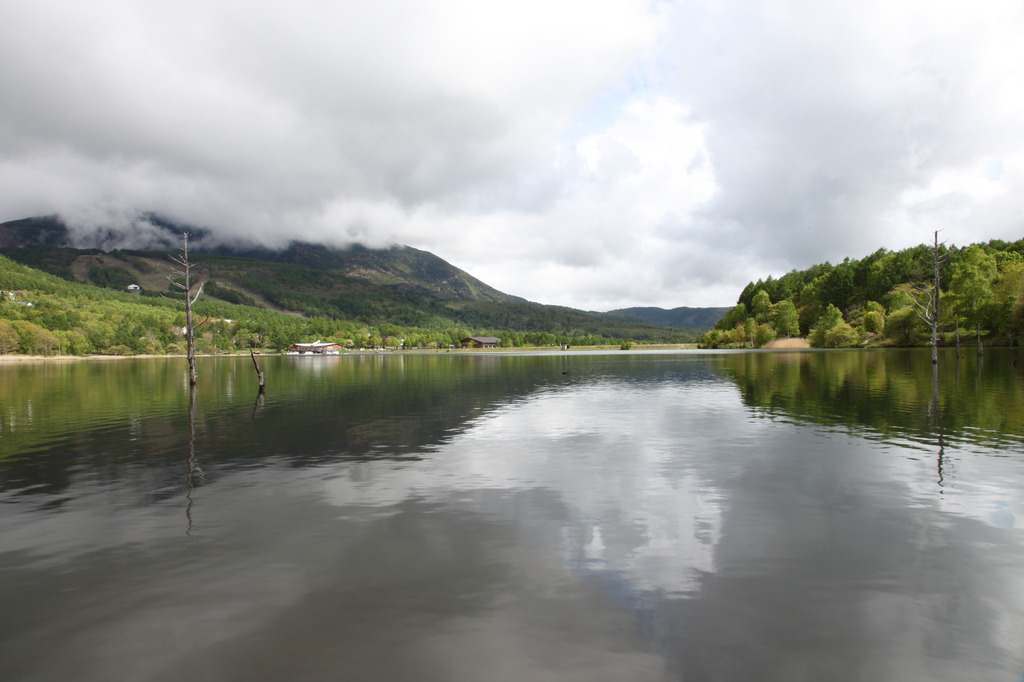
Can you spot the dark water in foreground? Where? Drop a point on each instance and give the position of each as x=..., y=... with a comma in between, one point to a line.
x=647, y=516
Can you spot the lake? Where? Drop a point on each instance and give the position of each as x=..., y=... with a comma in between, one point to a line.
x=563, y=517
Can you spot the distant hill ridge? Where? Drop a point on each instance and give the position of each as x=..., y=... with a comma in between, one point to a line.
x=694, y=318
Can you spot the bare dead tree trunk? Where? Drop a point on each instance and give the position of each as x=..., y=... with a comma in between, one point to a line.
x=259, y=372
x=184, y=273
x=928, y=309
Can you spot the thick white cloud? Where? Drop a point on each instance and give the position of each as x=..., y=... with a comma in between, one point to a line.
x=594, y=154
x=835, y=128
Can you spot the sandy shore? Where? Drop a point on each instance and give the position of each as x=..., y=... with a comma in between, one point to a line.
x=11, y=358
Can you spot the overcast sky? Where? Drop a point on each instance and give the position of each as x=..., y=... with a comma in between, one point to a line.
x=591, y=153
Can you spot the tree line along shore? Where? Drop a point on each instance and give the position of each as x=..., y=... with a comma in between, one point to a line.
x=973, y=294
x=44, y=315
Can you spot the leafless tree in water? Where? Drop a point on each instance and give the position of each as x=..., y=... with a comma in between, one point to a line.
x=926, y=300
x=181, y=277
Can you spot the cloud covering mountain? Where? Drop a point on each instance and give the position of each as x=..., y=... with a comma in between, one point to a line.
x=593, y=154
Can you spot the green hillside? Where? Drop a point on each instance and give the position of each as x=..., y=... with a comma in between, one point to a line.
x=256, y=304
x=888, y=298
x=269, y=298
x=45, y=243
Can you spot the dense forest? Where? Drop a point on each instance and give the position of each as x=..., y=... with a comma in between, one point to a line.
x=43, y=314
x=890, y=298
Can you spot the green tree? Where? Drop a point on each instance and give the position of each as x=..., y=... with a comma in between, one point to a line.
x=73, y=343
x=738, y=336
x=785, y=319
x=761, y=306
x=711, y=339
x=836, y=287
x=763, y=334
x=749, y=327
x=1008, y=303
x=873, y=322
x=842, y=335
x=971, y=285
x=735, y=316
x=868, y=318
x=35, y=340
x=828, y=319
x=8, y=338
x=903, y=327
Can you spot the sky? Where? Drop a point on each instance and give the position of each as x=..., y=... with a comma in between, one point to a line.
x=598, y=154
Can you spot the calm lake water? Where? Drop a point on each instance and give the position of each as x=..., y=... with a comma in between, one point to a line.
x=561, y=517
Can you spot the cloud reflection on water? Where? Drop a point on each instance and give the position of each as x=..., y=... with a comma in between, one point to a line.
x=626, y=523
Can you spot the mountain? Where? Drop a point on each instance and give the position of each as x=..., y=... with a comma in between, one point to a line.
x=399, y=285
x=41, y=231
x=398, y=266
x=693, y=318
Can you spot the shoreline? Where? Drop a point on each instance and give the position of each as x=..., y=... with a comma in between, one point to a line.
x=14, y=358
x=782, y=344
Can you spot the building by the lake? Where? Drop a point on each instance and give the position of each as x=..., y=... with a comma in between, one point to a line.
x=316, y=348
x=480, y=342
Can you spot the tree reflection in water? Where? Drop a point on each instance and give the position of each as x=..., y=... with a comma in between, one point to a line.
x=195, y=476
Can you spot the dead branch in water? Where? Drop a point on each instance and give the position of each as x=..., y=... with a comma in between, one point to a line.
x=259, y=372
x=185, y=284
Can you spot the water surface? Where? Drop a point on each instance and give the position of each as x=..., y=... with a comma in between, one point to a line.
x=627, y=516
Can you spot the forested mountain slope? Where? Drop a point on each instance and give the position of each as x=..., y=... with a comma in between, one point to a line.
x=885, y=298
x=274, y=298
x=46, y=243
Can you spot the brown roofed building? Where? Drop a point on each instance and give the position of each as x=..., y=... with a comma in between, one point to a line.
x=480, y=342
